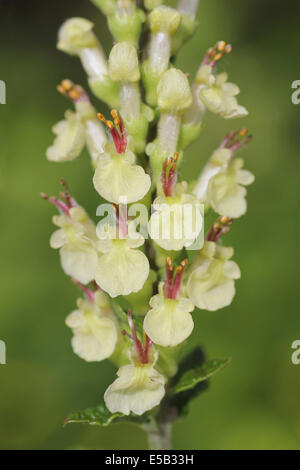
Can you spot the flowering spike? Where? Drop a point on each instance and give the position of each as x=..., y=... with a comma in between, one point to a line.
x=117, y=130
x=219, y=228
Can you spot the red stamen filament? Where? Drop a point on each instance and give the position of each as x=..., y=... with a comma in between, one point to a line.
x=122, y=219
x=74, y=92
x=57, y=203
x=173, y=279
x=219, y=228
x=117, y=130
x=142, y=350
x=169, y=175
x=87, y=292
x=215, y=53
x=235, y=140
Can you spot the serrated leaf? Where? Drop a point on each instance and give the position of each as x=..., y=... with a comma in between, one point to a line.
x=101, y=416
x=194, y=376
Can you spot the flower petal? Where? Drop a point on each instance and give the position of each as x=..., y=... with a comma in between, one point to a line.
x=79, y=261
x=117, y=177
x=58, y=239
x=170, y=323
x=98, y=343
x=70, y=139
x=122, y=270
x=137, y=389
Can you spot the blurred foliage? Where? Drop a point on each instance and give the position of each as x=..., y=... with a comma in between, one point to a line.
x=254, y=403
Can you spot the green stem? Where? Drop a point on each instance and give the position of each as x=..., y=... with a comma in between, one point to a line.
x=159, y=437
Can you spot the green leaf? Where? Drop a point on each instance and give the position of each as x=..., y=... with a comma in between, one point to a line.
x=190, y=381
x=101, y=416
x=194, y=376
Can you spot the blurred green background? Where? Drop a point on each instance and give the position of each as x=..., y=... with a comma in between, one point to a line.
x=254, y=403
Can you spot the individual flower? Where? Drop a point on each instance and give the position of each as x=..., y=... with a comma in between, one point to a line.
x=77, y=129
x=76, y=37
x=226, y=191
x=163, y=22
x=76, y=34
x=139, y=387
x=177, y=220
x=174, y=97
x=122, y=268
x=124, y=69
x=221, y=183
x=69, y=140
x=124, y=19
x=210, y=283
x=117, y=175
x=188, y=25
x=94, y=328
x=75, y=239
x=217, y=94
x=169, y=322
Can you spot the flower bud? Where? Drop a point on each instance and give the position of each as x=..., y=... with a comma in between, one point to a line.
x=173, y=91
x=164, y=20
x=151, y=4
x=126, y=24
x=123, y=63
x=106, y=6
x=76, y=34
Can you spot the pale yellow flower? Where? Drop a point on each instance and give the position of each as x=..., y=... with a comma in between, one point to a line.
x=76, y=241
x=70, y=138
x=177, y=220
x=210, y=284
x=139, y=387
x=169, y=322
x=219, y=95
x=94, y=329
x=122, y=268
x=226, y=191
x=77, y=129
x=117, y=176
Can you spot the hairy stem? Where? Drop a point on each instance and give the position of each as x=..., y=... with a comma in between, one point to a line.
x=159, y=437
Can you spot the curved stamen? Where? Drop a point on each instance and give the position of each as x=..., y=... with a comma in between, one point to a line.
x=174, y=279
x=215, y=53
x=87, y=292
x=141, y=349
x=57, y=203
x=74, y=92
x=219, y=228
x=235, y=140
x=169, y=175
x=117, y=130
